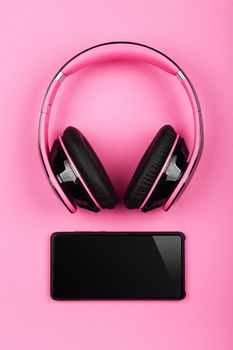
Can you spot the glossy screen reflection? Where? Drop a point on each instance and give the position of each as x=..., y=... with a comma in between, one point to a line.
x=117, y=266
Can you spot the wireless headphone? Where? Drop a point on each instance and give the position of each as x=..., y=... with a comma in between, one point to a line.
x=75, y=171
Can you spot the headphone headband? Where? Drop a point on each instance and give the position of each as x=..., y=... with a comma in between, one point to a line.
x=121, y=51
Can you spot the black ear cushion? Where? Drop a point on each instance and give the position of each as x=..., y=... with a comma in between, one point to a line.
x=149, y=167
x=90, y=167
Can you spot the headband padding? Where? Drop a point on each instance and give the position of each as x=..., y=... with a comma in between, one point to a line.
x=149, y=167
x=90, y=167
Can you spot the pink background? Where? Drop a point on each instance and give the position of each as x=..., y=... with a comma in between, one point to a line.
x=119, y=107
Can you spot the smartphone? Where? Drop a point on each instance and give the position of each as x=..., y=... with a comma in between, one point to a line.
x=117, y=265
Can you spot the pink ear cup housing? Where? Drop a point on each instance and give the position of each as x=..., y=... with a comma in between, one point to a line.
x=158, y=172
x=80, y=172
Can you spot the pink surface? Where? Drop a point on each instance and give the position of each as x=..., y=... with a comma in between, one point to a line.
x=119, y=107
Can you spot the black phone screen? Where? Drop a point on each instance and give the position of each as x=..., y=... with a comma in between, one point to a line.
x=117, y=265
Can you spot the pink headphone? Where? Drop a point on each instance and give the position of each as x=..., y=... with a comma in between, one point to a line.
x=75, y=171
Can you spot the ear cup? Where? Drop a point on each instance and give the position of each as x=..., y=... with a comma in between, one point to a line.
x=149, y=167
x=90, y=167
